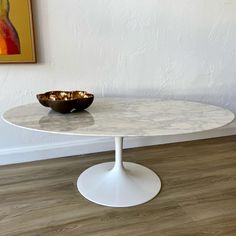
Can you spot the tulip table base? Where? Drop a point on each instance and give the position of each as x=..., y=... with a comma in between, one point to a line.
x=119, y=184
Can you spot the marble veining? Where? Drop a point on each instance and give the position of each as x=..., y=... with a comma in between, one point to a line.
x=123, y=117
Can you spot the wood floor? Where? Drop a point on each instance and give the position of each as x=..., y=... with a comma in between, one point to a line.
x=198, y=196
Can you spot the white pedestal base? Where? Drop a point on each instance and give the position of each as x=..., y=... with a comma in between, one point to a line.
x=130, y=185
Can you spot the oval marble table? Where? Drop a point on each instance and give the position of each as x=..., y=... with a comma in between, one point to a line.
x=122, y=184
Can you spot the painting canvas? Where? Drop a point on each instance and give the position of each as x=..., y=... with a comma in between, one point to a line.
x=16, y=32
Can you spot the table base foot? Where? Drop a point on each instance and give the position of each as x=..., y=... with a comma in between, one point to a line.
x=130, y=186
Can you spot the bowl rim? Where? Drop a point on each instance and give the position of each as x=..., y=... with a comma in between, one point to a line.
x=43, y=95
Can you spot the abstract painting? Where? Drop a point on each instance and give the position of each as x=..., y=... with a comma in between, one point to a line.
x=16, y=32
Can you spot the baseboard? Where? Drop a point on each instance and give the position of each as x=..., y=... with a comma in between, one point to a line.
x=54, y=150
x=94, y=145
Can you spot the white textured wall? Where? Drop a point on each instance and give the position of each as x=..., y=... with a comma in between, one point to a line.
x=166, y=48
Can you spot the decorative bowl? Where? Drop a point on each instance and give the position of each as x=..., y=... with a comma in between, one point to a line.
x=66, y=101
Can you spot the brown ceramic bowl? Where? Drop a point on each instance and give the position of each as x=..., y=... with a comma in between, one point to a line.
x=66, y=101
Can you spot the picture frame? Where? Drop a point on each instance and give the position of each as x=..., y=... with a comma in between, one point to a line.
x=17, y=43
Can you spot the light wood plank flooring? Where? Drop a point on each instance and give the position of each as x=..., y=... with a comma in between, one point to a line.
x=198, y=196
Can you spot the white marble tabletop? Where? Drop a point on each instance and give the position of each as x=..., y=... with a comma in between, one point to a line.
x=123, y=117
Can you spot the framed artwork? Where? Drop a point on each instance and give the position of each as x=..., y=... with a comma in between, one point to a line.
x=16, y=32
